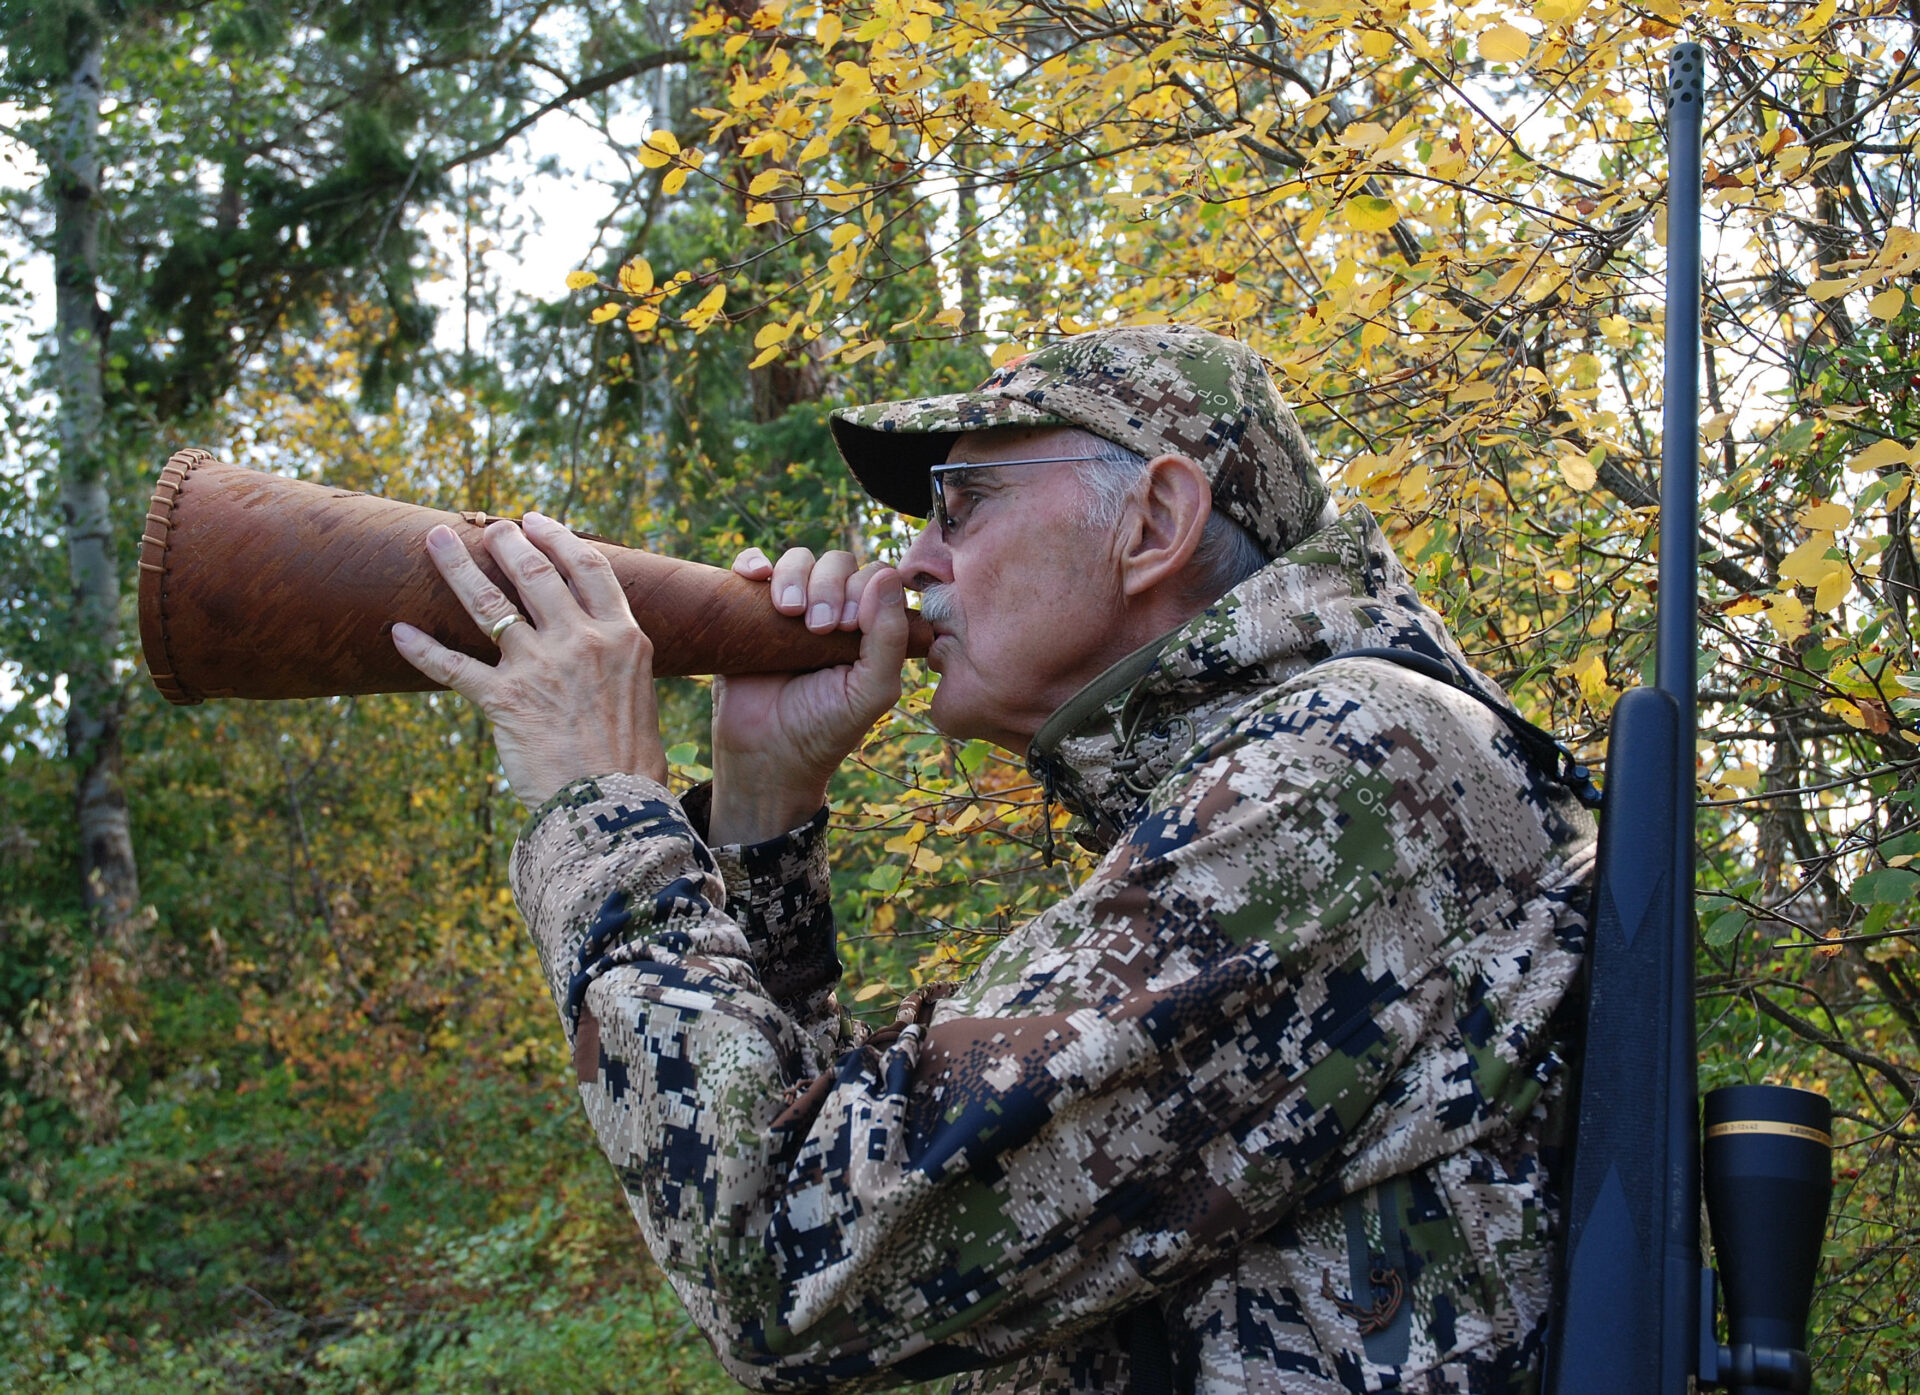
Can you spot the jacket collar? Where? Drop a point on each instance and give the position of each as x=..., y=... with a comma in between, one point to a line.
x=1103, y=751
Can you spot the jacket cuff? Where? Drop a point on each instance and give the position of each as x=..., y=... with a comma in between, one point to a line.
x=780, y=893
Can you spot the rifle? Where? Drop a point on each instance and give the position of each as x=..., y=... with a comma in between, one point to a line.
x=1636, y=1308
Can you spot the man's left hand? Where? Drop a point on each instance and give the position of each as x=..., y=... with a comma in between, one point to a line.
x=572, y=695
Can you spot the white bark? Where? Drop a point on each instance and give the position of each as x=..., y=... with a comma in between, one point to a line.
x=112, y=883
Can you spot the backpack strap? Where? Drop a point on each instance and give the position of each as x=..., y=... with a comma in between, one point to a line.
x=1543, y=750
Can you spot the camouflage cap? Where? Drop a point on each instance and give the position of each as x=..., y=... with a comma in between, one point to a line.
x=1155, y=389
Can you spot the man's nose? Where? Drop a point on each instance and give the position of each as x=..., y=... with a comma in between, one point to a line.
x=926, y=562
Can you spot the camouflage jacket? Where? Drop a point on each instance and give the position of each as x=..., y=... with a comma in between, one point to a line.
x=1283, y=1067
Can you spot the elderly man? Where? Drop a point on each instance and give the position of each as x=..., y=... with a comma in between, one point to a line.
x=1267, y=1104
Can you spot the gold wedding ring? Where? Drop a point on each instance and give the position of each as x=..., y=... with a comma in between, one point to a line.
x=503, y=624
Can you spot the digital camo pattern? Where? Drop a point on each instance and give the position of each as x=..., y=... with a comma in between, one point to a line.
x=1284, y=1066
x=1155, y=389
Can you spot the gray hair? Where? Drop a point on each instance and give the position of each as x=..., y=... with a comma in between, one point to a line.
x=1227, y=554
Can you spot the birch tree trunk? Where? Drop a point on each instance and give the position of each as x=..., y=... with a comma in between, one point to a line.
x=94, y=698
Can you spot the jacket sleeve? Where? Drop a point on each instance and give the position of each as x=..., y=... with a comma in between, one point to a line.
x=1325, y=952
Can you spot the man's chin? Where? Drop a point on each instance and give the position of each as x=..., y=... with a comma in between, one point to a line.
x=948, y=712
x=956, y=719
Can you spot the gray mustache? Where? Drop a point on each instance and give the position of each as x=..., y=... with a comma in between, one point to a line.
x=938, y=604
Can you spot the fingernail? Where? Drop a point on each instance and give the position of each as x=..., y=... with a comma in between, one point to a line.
x=405, y=633
x=753, y=554
x=535, y=516
x=821, y=614
x=441, y=538
x=792, y=596
x=895, y=594
x=849, y=612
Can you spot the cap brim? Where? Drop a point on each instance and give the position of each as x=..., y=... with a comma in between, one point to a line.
x=892, y=446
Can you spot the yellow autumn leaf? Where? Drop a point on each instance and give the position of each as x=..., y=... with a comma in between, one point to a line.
x=919, y=29
x=1558, y=11
x=1715, y=426
x=580, y=280
x=1788, y=617
x=606, y=312
x=1504, y=44
x=1005, y=353
x=866, y=350
x=1816, y=21
x=1881, y=454
x=1363, y=135
x=1746, y=777
x=674, y=180
x=1376, y=43
x=1830, y=288
x=1746, y=605
x=765, y=356
x=1832, y=589
x=775, y=333
x=1591, y=672
x=950, y=318
x=1848, y=712
x=871, y=990
x=1577, y=470
x=1888, y=303
x=1561, y=580
x=658, y=149
x=766, y=182
x=1371, y=214
x=764, y=141
x=827, y=32
x=1827, y=517
x=703, y=314
x=636, y=277
x=759, y=213
x=642, y=318
x=1808, y=563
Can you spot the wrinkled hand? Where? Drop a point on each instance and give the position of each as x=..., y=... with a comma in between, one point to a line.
x=572, y=695
x=778, y=738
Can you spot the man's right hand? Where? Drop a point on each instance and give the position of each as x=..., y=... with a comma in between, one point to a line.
x=778, y=738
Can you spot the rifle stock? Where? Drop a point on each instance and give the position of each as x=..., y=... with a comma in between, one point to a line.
x=1613, y=1294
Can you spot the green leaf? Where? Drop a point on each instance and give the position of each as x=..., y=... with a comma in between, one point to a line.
x=1886, y=886
x=1724, y=928
x=1797, y=438
x=885, y=878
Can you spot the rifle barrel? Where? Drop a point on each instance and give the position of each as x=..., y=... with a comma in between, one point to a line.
x=1676, y=673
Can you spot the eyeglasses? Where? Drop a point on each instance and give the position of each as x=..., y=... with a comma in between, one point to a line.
x=943, y=514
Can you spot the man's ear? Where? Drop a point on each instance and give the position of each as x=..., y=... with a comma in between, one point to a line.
x=1163, y=523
